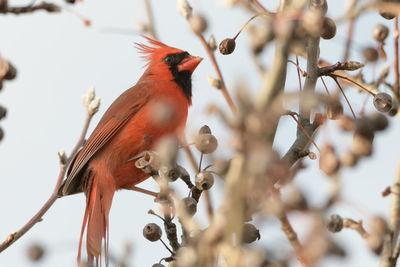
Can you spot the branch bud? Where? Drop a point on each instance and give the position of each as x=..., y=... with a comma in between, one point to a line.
x=214, y=82
x=184, y=8
x=62, y=156
x=94, y=106
x=212, y=43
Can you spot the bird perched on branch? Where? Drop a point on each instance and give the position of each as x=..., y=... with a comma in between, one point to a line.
x=131, y=125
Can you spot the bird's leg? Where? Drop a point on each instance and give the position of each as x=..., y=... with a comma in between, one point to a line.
x=144, y=191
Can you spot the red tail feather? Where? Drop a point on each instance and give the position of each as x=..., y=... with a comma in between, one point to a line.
x=99, y=196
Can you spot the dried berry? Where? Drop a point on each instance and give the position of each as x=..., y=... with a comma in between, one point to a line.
x=334, y=110
x=158, y=265
x=190, y=205
x=370, y=54
x=385, y=13
x=205, y=130
x=346, y=123
x=375, y=243
x=348, y=159
x=170, y=173
x=362, y=146
x=227, y=46
x=35, y=252
x=221, y=166
x=383, y=102
x=70, y=1
x=11, y=73
x=380, y=32
x=152, y=232
x=198, y=23
x=328, y=162
x=250, y=233
x=335, y=223
x=365, y=128
x=206, y=143
x=294, y=199
x=378, y=229
x=1, y=133
x=378, y=225
x=328, y=29
x=204, y=180
x=378, y=121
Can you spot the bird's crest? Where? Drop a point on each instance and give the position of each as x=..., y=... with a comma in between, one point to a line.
x=155, y=48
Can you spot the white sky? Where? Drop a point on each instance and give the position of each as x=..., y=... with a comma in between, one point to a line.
x=58, y=59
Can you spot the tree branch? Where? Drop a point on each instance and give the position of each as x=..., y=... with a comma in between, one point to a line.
x=49, y=7
x=11, y=238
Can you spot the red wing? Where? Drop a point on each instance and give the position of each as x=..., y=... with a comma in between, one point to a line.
x=112, y=121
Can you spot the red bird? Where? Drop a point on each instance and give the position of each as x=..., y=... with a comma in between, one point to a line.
x=129, y=127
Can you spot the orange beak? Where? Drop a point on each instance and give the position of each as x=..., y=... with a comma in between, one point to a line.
x=189, y=64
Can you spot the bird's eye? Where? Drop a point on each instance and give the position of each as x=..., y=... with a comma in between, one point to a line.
x=168, y=59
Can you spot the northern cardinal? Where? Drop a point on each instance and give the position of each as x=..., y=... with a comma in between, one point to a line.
x=128, y=127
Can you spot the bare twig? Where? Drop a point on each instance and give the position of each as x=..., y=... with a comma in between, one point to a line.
x=298, y=72
x=345, y=97
x=357, y=226
x=302, y=139
x=257, y=4
x=11, y=238
x=150, y=21
x=326, y=87
x=354, y=82
x=312, y=71
x=49, y=7
x=290, y=233
x=305, y=133
x=346, y=65
x=396, y=57
x=394, y=214
x=350, y=28
x=214, y=63
x=206, y=194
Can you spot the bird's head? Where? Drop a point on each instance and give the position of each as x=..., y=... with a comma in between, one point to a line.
x=169, y=63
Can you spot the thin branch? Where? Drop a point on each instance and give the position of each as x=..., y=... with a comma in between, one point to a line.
x=396, y=57
x=275, y=82
x=354, y=82
x=345, y=97
x=214, y=63
x=257, y=4
x=350, y=28
x=298, y=72
x=312, y=71
x=11, y=238
x=206, y=194
x=165, y=245
x=49, y=7
x=346, y=65
x=302, y=139
x=357, y=226
x=326, y=87
x=290, y=233
x=394, y=213
x=150, y=20
x=305, y=132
